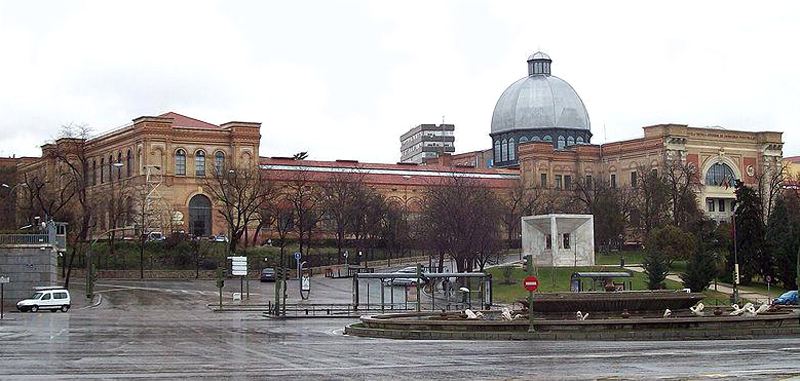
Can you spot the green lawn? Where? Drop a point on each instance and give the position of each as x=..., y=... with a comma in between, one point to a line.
x=612, y=259
x=552, y=280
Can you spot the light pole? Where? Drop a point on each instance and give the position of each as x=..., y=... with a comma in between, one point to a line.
x=89, y=270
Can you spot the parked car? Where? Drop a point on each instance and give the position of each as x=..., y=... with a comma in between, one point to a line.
x=46, y=298
x=789, y=297
x=156, y=236
x=268, y=275
x=219, y=238
x=412, y=277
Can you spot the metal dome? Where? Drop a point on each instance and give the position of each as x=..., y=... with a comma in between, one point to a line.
x=539, y=101
x=538, y=56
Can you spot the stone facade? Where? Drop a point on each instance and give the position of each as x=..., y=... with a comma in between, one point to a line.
x=746, y=154
x=170, y=154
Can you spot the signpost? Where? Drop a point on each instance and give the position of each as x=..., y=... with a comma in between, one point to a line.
x=239, y=267
x=531, y=284
x=297, y=257
x=305, y=281
x=3, y=281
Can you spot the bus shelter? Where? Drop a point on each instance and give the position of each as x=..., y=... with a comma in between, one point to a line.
x=444, y=290
x=601, y=281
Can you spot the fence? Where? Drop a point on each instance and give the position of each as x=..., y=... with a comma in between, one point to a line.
x=24, y=239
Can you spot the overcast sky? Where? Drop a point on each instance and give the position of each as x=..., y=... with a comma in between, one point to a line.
x=344, y=79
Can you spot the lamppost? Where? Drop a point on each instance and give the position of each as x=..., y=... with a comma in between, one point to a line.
x=89, y=270
x=10, y=192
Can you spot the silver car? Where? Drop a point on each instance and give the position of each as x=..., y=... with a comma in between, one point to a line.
x=412, y=277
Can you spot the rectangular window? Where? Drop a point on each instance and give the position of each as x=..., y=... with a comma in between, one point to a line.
x=710, y=203
x=566, y=240
x=613, y=180
x=634, y=178
x=722, y=205
x=568, y=182
x=589, y=182
x=548, y=242
x=558, y=181
x=544, y=180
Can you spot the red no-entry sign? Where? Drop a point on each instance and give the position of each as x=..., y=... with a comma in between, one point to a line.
x=531, y=283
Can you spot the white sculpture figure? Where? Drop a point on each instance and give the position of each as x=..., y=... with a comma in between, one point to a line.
x=763, y=308
x=473, y=315
x=698, y=309
x=738, y=311
x=749, y=310
x=667, y=313
x=506, y=314
x=581, y=316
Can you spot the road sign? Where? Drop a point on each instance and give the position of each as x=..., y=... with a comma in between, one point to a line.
x=346, y=254
x=297, y=255
x=5, y=279
x=238, y=265
x=531, y=283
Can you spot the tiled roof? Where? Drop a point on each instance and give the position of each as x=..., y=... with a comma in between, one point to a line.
x=185, y=121
x=793, y=159
x=386, y=174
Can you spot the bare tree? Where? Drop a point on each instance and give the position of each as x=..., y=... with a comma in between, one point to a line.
x=519, y=201
x=339, y=195
x=450, y=220
x=769, y=183
x=70, y=152
x=683, y=183
x=304, y=195
x=611, y=208
x=116, y=197
x=240, y=192
x=652, y=202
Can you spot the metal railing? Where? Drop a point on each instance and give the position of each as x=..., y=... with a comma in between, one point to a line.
x=24, y=239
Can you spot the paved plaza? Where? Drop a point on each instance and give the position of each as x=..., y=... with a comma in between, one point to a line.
x=163, y=330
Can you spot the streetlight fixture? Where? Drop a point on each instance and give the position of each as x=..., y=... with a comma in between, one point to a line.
x=89, y=276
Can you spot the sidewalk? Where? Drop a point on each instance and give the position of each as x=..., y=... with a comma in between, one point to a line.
x=721, y=287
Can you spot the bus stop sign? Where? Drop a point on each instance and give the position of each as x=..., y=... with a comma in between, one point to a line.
x=531, y=283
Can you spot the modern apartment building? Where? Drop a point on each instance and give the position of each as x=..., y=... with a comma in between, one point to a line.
x=427, y=141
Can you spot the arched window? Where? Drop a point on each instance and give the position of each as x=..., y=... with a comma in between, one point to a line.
x=512, y=154
x=570, y=141
x=561, y=142
x=536, y=139
x=129, y=163
x=119, y=167
x=180, y=162
x=200, y=216
x=102, y=170
x=504, y=150
x=579, y=140
x=111, y=168
x=200, y=164
x=720, y=174
x=94, y=172
x=219, y=162
x=547, y=138
x=497, y=151
x=523, y=140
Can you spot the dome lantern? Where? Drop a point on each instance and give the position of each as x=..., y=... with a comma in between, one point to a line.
x=539, y=64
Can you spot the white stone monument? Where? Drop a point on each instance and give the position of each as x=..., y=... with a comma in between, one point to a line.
x=559, y=240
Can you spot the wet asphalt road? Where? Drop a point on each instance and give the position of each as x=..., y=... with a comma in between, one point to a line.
x=164, y=331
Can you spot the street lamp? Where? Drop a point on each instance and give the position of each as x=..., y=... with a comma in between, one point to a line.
x=89, y=276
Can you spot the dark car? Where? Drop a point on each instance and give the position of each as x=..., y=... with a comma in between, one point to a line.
x=789, y=297
x=268, y=275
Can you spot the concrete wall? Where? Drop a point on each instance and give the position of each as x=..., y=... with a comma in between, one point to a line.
x=28, y=266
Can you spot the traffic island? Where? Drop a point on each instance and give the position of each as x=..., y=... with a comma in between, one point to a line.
x=455, y=326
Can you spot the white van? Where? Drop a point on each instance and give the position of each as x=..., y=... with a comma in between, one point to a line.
x=46, y=298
